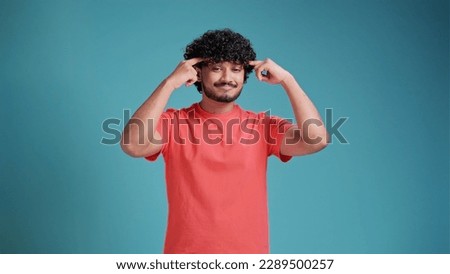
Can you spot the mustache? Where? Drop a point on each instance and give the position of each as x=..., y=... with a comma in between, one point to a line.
x=221, y=84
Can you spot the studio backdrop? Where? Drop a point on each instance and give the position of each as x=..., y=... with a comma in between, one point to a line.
x=72, y=72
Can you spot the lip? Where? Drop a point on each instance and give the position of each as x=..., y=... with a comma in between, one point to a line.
x=226, y=88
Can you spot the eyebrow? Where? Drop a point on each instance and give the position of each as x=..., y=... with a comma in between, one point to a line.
x=220, y=63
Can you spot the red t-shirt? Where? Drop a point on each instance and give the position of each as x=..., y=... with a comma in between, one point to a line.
x=215, y=166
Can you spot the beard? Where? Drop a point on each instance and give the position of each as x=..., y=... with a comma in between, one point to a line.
x=222, y=98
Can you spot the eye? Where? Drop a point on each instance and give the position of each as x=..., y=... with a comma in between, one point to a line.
x=237, y=69
x=216, y=68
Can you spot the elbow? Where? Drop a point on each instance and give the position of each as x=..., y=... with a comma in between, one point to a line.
x=322, y=144
x=325, y=140
x=318, y=142
x=131, y=149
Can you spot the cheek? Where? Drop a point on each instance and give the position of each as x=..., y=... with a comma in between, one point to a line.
x=209, y=78
x=241, y=79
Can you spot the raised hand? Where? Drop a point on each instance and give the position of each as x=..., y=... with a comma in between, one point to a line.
x=274, y=74
x=184, y=73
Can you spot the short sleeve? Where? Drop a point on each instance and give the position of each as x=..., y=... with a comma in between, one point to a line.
x=164, y=129
x=276, y=128
x=153, y=157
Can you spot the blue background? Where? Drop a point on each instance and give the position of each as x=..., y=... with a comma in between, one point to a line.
x=67, y=66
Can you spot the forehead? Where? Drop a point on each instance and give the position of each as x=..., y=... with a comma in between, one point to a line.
x=224, y=63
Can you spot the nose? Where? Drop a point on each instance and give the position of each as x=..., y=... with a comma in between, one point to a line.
x=226, y=75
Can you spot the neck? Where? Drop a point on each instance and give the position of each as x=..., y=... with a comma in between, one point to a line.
x=215, y=107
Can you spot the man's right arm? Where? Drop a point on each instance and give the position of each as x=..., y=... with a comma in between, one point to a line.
x=138, y=140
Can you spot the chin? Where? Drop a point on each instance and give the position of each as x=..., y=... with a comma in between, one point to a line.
x=222, y=96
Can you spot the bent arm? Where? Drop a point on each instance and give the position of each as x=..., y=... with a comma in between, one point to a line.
x=139, y=135
x=310, y=134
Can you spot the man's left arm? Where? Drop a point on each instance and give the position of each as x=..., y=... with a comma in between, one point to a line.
x=309, y=135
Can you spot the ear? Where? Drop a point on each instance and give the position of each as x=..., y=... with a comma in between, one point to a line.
x=199, y=74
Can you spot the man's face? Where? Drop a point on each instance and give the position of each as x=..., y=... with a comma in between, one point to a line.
x=222, y=82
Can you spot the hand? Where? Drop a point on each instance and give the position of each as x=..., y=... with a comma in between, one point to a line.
x=184, y=73
x=274, y=73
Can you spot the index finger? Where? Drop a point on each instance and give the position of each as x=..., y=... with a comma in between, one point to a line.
x=195, y=60
x=254, y=62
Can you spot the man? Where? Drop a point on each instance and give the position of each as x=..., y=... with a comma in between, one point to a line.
x=215, y=152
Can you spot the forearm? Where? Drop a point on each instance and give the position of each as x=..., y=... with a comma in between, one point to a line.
x=139, y=137
x=140, y=132
x=313, y=130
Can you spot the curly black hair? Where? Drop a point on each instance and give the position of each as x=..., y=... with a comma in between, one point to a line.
x=222, y=45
